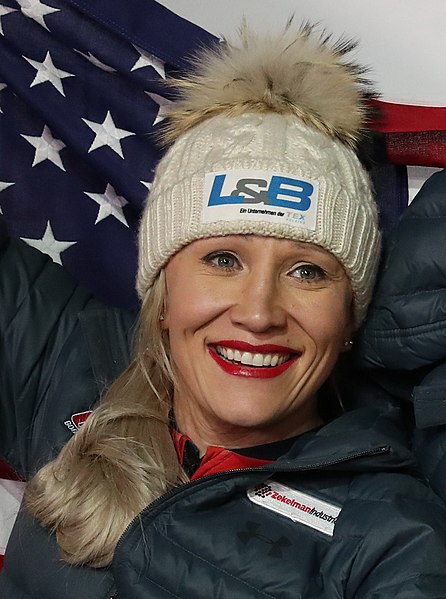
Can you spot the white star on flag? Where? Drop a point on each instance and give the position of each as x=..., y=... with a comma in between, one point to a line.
x=147, y=184
x=2, y=87
x=148, y=60
x=48, y=244
x=4, y=185
x=107, y=134
x=46, y=71
x=164, y=106
x=5, y=10
x=47, y=147
x=110, y=204
x=97, y=63
x=34, y=9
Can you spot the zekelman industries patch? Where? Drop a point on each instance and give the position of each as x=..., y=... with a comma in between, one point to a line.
x=297, y=506
x=77, y=420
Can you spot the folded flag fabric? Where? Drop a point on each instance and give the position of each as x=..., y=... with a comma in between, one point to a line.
x=81, y=97
x=413, y=135
x=11, y=491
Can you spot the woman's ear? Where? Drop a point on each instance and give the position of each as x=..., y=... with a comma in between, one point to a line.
x=348, y=344
x=163, y=322
x=349, y=332
x=163, y=319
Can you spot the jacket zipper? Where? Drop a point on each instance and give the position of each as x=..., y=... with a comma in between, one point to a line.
x=229, y=473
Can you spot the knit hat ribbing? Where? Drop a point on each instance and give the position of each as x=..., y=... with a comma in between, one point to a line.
x=234, y=169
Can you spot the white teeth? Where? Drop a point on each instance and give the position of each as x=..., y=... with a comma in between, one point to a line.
x=250, y=359
x=257, y=360
x=247, y=358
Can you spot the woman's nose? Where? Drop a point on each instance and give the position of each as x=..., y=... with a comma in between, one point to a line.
x=259, y=307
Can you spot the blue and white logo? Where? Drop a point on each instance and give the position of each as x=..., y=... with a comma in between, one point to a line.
x=260, y=195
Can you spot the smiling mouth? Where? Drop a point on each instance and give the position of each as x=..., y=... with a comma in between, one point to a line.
x=257, y=360
x=242, y=359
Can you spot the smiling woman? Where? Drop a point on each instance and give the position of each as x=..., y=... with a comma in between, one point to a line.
x=221, y=463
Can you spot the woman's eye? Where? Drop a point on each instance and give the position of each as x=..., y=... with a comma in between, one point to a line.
x=308, y=272
x=223, y=260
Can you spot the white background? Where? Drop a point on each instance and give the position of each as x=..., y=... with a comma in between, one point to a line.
x=403, y=41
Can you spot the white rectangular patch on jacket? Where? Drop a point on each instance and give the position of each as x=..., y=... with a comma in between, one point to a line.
x=296, y=505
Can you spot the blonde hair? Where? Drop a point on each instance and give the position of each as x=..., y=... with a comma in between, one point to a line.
x=122, y=458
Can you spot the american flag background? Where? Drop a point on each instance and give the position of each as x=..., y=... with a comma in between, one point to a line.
x=82, y=95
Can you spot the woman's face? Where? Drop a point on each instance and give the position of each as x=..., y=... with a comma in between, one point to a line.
x=255, y=327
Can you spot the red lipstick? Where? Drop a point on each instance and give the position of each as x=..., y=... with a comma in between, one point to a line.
x=239, y=369
x=254, y=349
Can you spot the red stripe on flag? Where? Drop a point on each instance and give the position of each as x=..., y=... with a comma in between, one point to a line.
x=7, y=472
x=401, y=118
x=425, y=148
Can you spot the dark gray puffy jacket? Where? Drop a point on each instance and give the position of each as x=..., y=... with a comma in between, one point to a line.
x=59, y=350
x=351, y=519
x=238, y=534
x=403, y=343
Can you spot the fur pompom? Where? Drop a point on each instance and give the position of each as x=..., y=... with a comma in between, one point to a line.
x=304, y=74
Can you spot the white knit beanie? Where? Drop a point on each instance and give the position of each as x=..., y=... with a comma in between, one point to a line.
x=263, y=140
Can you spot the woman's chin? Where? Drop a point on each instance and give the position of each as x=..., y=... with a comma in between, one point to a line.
x=252, y=424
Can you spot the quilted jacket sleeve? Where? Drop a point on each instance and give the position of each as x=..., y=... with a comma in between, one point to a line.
x=407, y=557
x=406, y=323
x=403, y=342
x=54, y=341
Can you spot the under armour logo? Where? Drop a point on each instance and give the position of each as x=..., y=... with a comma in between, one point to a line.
x=252, y=532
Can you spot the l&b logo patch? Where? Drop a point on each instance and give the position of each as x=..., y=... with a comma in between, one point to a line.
x=260, y=196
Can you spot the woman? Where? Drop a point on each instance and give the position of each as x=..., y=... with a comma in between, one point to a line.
x=220, y=464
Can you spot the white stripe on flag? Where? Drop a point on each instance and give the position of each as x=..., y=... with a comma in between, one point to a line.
x=11, y=493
